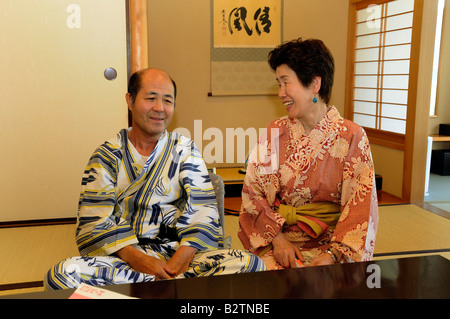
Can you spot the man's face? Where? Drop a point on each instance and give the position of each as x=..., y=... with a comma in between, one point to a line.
x=154, y=105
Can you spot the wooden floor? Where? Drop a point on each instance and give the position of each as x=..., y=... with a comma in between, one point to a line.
x=388, y=199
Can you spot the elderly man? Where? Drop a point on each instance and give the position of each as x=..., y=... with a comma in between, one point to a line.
x=147, y=209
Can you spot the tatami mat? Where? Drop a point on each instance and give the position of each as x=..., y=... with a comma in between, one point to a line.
x=28, y=252
x=410, y=228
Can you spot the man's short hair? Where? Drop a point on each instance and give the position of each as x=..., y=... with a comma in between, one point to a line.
x=134, y=85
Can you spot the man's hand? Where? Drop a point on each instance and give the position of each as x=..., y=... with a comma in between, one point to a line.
x=180, y=261
x=143, y=263
x=284, y=252
x=178, y=264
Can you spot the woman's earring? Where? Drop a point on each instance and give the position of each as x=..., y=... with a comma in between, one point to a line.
x=315, y=99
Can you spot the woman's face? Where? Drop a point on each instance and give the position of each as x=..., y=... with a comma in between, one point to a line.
x=297, y=98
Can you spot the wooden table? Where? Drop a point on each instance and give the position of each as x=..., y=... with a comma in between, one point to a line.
x=440, y=138
x=232, y=179
x=411, y=278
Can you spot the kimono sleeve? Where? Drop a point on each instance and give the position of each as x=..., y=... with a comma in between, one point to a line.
x=198, y=224
x=354, y=236
x=101, y=230
x=259, y=223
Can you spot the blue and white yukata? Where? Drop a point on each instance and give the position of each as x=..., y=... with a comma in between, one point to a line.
x=155, y=204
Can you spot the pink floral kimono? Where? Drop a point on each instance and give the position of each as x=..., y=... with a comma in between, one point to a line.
x=332, y=164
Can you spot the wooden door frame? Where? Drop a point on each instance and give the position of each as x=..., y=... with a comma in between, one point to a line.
x=138, y=34
x=137, y=37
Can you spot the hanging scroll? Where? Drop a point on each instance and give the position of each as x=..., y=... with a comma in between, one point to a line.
x=243, y=32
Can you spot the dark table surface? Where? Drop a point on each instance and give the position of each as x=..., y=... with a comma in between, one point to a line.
x=405, y=278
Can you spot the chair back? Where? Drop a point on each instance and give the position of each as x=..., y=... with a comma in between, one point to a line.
x=219, y=189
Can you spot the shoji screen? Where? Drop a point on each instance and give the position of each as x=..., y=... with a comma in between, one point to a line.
x=382, y=63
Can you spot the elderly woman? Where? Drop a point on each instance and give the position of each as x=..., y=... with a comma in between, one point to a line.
x=309, y=194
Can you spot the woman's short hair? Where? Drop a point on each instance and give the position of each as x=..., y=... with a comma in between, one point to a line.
x=308, y=59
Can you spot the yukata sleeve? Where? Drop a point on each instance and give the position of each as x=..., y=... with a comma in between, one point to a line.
x=101, y=230
x=198, y=224
x=354, y=236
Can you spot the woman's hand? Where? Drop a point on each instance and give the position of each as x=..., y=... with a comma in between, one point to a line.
x=284, y=252
x=324, y=259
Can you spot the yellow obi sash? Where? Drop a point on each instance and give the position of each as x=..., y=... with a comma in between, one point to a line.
x=313, y=218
